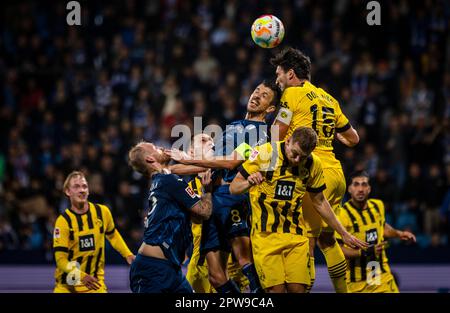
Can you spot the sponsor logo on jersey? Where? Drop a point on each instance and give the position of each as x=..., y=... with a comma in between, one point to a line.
x=253, y=155
x=190, y=192
x=56, y=233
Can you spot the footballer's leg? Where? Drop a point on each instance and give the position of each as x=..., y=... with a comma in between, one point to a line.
x=313, y=226
x=276, y=289
x=296, y=288
x=336, y=262
x=238, y=233
x=217, y=262
x=215, y=247
x=242, y=250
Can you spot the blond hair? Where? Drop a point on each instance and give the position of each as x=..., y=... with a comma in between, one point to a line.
x=70, y=176
x=136, y=159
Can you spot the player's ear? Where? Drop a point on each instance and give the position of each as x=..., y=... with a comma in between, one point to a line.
x=270, y=109
x=66, y=192
x=150, y=159
x=291, y=73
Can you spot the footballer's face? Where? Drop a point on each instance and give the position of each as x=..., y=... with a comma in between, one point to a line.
x=260, y=100
x=202, y=147
x=78, y=189
x=359, y=189
x=157, y=153
x=294, y=153
x=283, y=77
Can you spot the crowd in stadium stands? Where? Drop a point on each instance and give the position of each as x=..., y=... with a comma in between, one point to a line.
x=77, y=97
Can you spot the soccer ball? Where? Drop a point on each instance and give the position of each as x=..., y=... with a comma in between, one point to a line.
x=267, y=31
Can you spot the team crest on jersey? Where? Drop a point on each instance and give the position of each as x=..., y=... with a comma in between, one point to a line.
x=283, y=114
x=56, y=233
x=190, y=192
x=303, y=173
x=253, y=155
x=99, y=222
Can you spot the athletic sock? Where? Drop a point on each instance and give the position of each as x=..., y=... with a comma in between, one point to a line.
x=249, y=271
x=312, y=270
x=337, y=266
x=229, y=287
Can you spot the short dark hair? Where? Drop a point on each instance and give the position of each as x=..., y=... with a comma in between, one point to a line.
x=359, y=173
x=306, y=138
x=276, y=91
x=290, y=58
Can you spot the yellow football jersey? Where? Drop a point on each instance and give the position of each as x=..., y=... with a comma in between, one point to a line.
x=366, y=225
x=277, y=202
x=80, y=238
x=197, y=271
x=310, y=106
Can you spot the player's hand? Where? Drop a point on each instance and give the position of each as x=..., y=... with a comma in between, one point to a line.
x=178, y=155
x=130, y=259
x=379, y=248
x=407, y=236
x=91, y=282
x=354, y=242
x=207, y=181
x=255, y=179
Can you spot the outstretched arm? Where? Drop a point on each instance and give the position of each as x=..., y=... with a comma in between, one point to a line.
x=391, y=232
x=219, y=162
x=202, y=209
x=322, y=206
x=350, y=137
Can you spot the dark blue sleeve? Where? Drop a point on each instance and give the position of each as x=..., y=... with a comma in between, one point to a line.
x=181, y=192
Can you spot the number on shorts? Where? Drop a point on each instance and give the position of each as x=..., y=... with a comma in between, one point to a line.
x=235, y=216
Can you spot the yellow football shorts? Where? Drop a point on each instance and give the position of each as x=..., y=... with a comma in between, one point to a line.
x=64, y=288
x=335, y=182
x=281, y=258
x=387, y=285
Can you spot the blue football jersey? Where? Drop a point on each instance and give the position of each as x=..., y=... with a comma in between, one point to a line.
x=252, y=133
x=168, y=222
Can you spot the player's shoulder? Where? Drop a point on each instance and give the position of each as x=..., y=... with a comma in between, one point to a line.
x=63, y=218
x=376, y=202
x=102, y=207
x=260, y=153
x=237, y=122
x=325, y=95
x=250, y=123
x=171, y=179
x=314, y=159
x=345, y=207
x=295, y=91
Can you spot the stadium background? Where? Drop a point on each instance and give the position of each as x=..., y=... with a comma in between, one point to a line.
x=77, y=97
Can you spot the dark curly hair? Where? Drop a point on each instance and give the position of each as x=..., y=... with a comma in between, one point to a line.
x=276, y=91
x=290, y=58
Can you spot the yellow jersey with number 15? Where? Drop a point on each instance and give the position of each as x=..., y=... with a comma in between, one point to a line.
x=309, y=106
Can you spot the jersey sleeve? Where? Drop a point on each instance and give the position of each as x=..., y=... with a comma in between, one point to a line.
x=184, y=195
x=61, y=235
x=244, y=150
x=288, y=106
x=380, y=205
x=342, y=122
x=108, y=219
x=113, y=235
x=258, y=156
x=61, y=244
x=316, y=181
